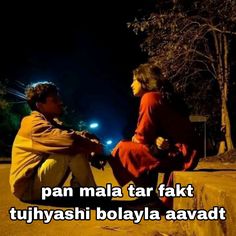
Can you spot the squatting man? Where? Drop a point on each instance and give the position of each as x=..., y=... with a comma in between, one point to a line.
x=44, y=152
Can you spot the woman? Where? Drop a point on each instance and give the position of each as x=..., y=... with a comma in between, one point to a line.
x=160, y=115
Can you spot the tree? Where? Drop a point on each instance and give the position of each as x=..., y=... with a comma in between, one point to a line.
x=191, y=41
x=3, y=102
x=11, y=113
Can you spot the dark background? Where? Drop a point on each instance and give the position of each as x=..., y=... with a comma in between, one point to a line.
x=85, y=48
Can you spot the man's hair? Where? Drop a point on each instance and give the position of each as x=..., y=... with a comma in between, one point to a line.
x=38, y=92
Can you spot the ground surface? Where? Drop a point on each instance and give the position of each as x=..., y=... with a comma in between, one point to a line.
x=79, y=227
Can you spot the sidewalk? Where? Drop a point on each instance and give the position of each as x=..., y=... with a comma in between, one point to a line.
x=79, y=227
x=213, y=185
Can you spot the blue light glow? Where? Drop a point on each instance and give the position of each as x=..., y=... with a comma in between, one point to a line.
x=109, y=142
x=93, y=125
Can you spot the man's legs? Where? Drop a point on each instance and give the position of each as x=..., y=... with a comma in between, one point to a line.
x=81, y=171
x=54, y=170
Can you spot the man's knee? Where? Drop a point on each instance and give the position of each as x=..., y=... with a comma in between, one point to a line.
x=54, y=167
x=58, y=159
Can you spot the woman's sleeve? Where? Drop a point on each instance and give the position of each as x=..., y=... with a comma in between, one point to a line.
x=147, y=122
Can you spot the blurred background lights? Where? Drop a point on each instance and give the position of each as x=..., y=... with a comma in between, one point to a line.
x=93, y=125
x=109, y=142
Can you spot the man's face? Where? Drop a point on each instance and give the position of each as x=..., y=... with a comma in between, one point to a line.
x=52, y=107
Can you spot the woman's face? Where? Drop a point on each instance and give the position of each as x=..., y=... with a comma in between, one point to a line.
x=137, y=87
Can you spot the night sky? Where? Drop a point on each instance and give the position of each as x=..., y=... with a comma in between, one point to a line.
x=85, y=48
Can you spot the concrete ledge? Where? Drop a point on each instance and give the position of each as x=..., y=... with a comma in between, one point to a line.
x=214, y=185
x=5, y=160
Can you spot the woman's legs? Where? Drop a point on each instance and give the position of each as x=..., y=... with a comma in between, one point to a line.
x=147, y=179
x=133, y=162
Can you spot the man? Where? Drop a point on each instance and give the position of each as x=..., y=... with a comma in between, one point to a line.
x=44, y=152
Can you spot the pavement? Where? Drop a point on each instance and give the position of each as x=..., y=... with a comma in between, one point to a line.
x=213, y=186
x=75, y=227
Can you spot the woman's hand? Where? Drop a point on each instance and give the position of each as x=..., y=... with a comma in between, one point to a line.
x=162, y=143
x=135, y=140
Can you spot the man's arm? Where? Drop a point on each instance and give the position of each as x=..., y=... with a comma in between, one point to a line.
x=48, y=139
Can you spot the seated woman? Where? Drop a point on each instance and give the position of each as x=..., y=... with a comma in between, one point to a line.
x=160, y=115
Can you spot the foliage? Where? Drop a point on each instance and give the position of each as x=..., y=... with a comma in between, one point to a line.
x=11, y=114
x=179, y=40
x=190, y=41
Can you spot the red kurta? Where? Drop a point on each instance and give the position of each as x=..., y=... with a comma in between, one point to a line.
x=132, y=159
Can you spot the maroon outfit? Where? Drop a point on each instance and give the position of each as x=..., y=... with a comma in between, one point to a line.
x=131, y=159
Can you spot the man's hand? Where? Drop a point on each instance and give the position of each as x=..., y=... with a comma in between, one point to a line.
x=98, y=147
x=97, y=161
x=87, y=145
x=88, y=135
x=162, y=143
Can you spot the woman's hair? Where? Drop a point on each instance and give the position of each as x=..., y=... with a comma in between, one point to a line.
x=151, y=79
x=149, y=76
x=38, y=92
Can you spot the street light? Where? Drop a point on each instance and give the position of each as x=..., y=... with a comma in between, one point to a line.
x=109, y=142
x=93, y=125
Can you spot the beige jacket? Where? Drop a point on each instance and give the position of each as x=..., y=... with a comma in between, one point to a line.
x=35, y=140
